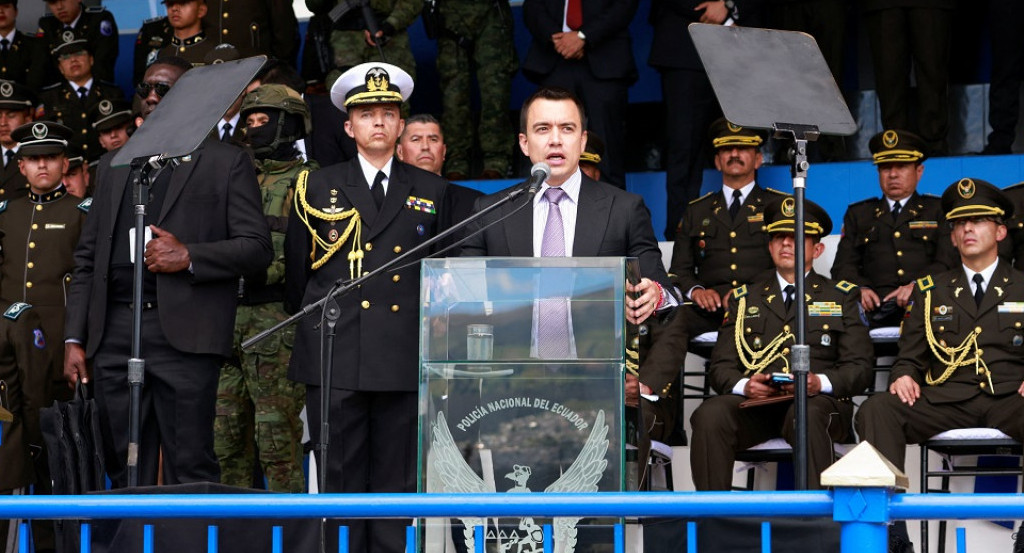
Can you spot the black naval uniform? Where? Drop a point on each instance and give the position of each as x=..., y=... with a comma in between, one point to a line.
x=25, y=61
x=61, y=103
x=840, y=348
x=255, y=27
x=12, y=183
x=969, y=398
x=96, y=25
x=40, y=234
x=375, y=372
x=883, y=254
x=192, y=49
x=154, y=34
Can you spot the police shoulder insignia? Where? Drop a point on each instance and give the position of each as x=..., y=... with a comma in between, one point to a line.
x=38, y=338
x=85, y=205
x=924, y=284
x=845, y=286
x=95, y=9
x=739, y=292
x=153, y=19
x=16, y=309
x=705, y=196
x=862, y=202
x=774, y=191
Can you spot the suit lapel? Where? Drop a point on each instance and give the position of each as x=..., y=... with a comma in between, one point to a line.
x=720, y=209
x=179, y=177
x=399, y=187
x=773, y=299
x=592, y=214
x=993, y=297
x=118, y=182
x=357, y=190
x=963, y=295
x=520, y=243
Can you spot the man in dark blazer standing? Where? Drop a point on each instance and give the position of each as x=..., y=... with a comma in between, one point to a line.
x=348, y=219
x=207, y=229
x=584, y=46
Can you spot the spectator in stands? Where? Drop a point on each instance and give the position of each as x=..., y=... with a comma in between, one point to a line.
x=905, y=34
x=584, y=47
x=112, y=120
x=23, y=58
x=17, y=106
x=890, y=242
x=210, y=230
x=1006, y=26
x=255, y=27
x=95, y=25
x=960, y=362
x=754, y=343
x=71, y=100
x=189, y=40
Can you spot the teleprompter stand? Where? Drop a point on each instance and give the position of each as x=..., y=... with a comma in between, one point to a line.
x=174, y=129
x=795, y=97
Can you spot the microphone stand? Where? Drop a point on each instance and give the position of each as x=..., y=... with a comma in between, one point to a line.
x=331, y=313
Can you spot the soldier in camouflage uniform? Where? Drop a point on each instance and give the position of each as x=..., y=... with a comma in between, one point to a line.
x=350, y=39
x=254, y=396
x=477, y=35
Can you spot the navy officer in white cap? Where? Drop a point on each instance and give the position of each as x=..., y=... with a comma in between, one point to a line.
x=348, y=219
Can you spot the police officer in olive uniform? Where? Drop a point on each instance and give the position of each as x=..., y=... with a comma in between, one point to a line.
x=93, y=24
x=336, y=230
x=255, y=399
x=23, y=58
x=755, y=342
x=113, y=122
x=255, y=27
x=891, y=241
x=40, y=234
x=17, y=106
x=69, y=102
x=24, y=359
x=154, y=34
x=189, y=41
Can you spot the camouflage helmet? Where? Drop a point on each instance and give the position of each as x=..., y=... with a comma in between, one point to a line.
x=277, y=97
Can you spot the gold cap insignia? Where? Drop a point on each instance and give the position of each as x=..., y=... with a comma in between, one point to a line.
x=377, y=80
x=966, y=188
x=39, y=131
x=789, y=207
x=732, y=127
x=890, y=139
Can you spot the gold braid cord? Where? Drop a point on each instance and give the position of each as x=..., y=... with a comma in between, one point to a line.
x=966, y=354
x=304, y=211
x=756, y=361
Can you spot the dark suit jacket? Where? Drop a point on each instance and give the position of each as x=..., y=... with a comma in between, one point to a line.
x=327, y=144
x=12, y=183
x=1000, y=339
x=609, y=222
x=25, y=61
x=213, y=206
x=671, y=45
x=605, y=23
x=378, y=331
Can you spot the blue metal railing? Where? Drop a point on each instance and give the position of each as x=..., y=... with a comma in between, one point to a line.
x=864, y=513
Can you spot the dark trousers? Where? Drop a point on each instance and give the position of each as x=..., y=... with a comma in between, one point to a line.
x=690, y=108
x=899, y=36
x=372, y=450
x=889, y=424
x=721, y=428
x=605, y=102
x=177, y=406
x=1007, y=28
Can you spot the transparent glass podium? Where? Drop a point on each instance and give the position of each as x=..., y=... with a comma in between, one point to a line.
x=521, y=390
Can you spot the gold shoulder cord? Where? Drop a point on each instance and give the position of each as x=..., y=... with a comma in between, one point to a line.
x=756, y=361
x=304, y=211
x=953, y=357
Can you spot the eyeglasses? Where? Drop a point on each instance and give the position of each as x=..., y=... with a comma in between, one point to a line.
x=143, y=89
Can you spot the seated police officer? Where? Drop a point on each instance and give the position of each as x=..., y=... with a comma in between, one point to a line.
x=889, y=242
x=754, y=343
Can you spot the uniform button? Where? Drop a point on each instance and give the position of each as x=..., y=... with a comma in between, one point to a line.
x=396, y=278
x=785, y=351
x=182, y=49
x=35, y=226
x=368, y=247
x=942, y=343
x=31, y=245
x=83, y=117
x=735, y=284
x=28, y=285
x=748, y=330
x=865, y=240
x=824, y=327
x=942, y=329
x=982, y=386
x=225, y=31
x=785, y=328
x=977, y=330
x=896, y=234
x=924, y=238
x=30, y=265
x=225, y=15
x=732, y=234
x=702, y=233
x=394, y=309
x=67, y=278
x=981, y=352
x=1016, y=324
x=39, y=208
x=733, y=266
x=899, y=253
x=732, y=250
x=398, y=249
x=900, y=272
x=365, y=304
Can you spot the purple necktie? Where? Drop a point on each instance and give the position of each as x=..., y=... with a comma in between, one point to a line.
x=553, y=312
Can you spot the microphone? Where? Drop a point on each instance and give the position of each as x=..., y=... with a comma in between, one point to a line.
x=538, y=174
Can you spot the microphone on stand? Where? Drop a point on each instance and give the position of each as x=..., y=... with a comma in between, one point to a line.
x=538, y=174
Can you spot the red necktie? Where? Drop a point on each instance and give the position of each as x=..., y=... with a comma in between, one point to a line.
x=574, y=14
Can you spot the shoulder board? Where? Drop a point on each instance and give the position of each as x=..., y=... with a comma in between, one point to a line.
x=925, y=284
x=739, y=292
x=865, y=201
x=16, y=309
x=702, y=198
x=845, y=286
x=106, y=84
x=774, y=191
x=85, y=205
x=3, y=206
x=152, y=20
x=95, y=9
x=939, y=197
x=52, y=86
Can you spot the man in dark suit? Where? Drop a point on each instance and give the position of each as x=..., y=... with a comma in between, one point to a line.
x=890, y=242
x=207, y=228
x=346, y=220
x=586, y=49
x=17, y=105
x=22, y=57
x=754, y=343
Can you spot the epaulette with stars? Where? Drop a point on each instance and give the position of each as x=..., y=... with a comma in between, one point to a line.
x=925, y=283
x=845, y=286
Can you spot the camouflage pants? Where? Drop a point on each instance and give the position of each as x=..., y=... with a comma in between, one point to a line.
x=477, y=38
x=350, y=49
x=258, y=407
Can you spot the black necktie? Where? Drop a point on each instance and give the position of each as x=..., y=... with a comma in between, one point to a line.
x=734, y=207
x=377, y=189
x=83, y=92
x=4, y=45
x=979, y=292
x=8, y=157
x=895, y=210
x=225, y=132
x=789, y=291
